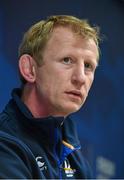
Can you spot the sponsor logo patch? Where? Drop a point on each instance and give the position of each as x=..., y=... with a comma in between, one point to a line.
x=41, y=163
x=67, y=168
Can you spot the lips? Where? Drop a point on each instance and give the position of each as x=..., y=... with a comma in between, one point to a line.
x=75, y=93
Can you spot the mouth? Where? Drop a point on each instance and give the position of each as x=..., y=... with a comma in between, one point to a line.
x=75, y=94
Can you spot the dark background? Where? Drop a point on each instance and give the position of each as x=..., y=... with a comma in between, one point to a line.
x=100, y=122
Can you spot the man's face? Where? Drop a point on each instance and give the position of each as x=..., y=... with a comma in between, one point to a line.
x=64, y=79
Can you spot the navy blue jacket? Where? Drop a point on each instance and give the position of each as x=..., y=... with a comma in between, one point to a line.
x=38, y=148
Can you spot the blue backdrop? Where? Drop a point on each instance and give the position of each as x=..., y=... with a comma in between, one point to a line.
x=100, y=122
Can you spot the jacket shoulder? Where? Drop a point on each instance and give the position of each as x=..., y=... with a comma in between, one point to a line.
x=3, y=118
x=16, y=159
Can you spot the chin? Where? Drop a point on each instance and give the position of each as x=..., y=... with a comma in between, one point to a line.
x=70, y=110
x=66, y=109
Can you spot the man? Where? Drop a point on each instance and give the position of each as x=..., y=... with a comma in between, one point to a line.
x=57, y=62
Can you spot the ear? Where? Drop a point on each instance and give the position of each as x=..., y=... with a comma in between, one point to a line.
x=27, y=68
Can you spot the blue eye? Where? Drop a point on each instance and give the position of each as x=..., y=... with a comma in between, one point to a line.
x=88, y=66
x=67, y=60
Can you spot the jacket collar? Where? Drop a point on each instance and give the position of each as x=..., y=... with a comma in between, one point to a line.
x=51, y=130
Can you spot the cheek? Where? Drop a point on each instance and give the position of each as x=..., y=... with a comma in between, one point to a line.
x=53, y=81
x=57, y=86
x=43, y=84
x=90, y=82
x=51, y=86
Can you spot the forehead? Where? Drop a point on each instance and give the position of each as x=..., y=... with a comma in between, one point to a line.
x=63, y=38
x=63, y=34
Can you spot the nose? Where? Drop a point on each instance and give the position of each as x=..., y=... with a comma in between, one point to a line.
x=78, y=76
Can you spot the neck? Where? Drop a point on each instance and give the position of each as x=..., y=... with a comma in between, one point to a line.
x=32, y=101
